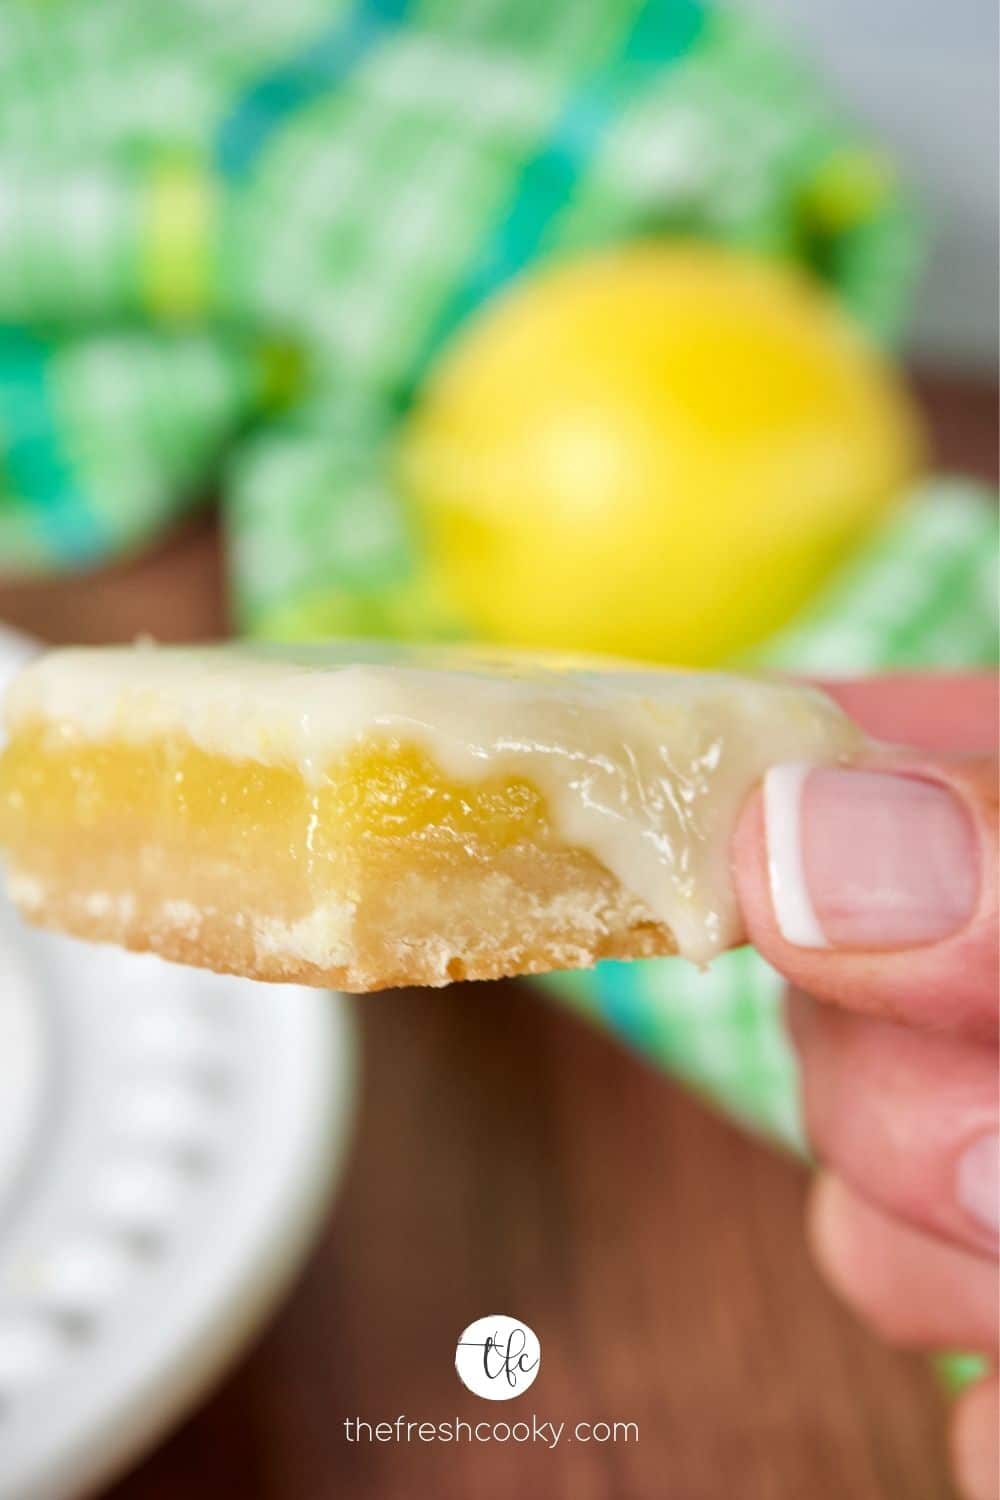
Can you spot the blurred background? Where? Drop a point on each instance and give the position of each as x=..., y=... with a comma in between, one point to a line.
x=648, y=326
x=925, y=82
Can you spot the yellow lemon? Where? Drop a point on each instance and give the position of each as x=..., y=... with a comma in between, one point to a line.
x=658, y=451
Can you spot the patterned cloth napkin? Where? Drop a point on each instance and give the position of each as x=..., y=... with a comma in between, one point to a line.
x=234, y=233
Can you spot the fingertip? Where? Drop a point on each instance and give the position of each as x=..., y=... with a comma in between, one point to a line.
x=847, y=1241
x=975, y=1441
x=830, y=1232
x=913, y=1289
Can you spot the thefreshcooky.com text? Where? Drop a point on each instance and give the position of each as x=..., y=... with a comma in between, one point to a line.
x=458, y=1430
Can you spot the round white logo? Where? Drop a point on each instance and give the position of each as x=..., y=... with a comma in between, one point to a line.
x=497, y=1358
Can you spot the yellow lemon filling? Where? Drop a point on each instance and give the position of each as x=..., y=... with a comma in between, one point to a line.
x=362, y=816
x=372, y=796
x=174, y=840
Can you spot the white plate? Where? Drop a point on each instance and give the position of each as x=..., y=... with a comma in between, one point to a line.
x=168, y=1144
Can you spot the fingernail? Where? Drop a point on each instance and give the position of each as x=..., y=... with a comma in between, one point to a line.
x=979, y=1181
x=866, y=859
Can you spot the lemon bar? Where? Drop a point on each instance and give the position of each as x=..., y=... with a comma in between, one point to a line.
x=362, y=816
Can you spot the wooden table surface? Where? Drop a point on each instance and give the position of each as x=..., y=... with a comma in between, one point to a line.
x=510, y=1159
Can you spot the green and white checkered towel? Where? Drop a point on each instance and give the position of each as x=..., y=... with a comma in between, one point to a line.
x=232, y=236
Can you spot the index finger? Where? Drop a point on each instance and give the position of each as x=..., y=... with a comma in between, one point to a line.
x=953, y=715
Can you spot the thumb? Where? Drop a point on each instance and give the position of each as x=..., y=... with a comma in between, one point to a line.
x=875, y=886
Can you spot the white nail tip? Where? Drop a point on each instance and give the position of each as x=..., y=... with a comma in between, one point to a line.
x=793, y=908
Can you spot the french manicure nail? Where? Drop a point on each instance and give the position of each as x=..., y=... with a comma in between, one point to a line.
x=978, y=1182
x=867, y=859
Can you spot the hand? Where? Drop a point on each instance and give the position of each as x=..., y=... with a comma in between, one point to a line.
x=874, y=891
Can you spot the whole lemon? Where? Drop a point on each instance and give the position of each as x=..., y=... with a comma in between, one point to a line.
x=657, y=451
